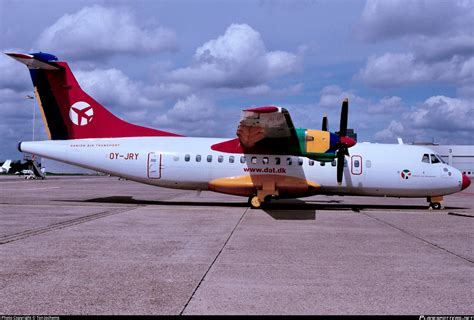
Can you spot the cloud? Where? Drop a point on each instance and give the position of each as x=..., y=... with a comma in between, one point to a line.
x=237, y=59
x=450, y=120
x=438, y=38
x=14, y=75
x=386, y=105
x=443, y=113
x=394, y=130
x=398, y=69
x=113, y=87
x=195, y=116
x=333, y=95
x=432, y=49
x=382, y=20
x=17, y=120
x=96, y=32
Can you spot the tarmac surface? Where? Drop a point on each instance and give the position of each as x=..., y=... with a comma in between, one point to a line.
x=99, y=245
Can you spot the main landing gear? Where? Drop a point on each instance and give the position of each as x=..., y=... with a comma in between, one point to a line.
x=436, y=203
x=256, y=203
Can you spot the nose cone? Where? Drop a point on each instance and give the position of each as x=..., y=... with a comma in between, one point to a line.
x=466, y=182
x=348, y=142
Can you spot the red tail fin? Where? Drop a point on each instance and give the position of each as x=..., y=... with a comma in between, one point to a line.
x=69, y=112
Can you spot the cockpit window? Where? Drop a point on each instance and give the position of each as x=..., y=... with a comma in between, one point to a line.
x=441, y=159
x=426, y=158
x=434, y=159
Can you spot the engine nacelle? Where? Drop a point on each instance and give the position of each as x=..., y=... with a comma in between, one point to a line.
x=317, y=144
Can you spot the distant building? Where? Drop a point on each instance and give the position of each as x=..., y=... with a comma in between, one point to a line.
x=459, y=156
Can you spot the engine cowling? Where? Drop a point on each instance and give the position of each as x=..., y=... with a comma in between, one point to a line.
x=317, y=144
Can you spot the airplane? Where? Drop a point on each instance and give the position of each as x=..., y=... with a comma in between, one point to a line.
x=5, y=166
x=269, y=159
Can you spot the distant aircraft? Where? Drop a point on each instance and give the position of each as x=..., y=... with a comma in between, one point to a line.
x=270, y=158
x=5, y=168
x=30, y=174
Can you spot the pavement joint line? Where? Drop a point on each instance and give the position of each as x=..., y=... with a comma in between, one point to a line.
x=61, y=225
x=460, y=214
x=215, y=259
x=67, y=205
x=419, y=238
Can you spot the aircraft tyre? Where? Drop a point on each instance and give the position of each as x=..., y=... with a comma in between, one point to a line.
x=435, y=205
x=254, y=202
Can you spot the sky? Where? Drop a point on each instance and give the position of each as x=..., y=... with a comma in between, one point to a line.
x=190, y=67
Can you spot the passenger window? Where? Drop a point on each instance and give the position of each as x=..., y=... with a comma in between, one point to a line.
x=265, y=160
x=187, y=157
x=231, y=159
x=300, y=161
x=345, y=163
x=368, y=163
x=434, y=159
x=198, y=158
x=277, y=161
x=356, y=163
x=322, y=163
x=311, y=162
x=209, y=158
x=426, y=158
x=333, y=163
x=289, y=161
x=254, y=160
x=220, y=158
x=176, y=158
x=242, y=159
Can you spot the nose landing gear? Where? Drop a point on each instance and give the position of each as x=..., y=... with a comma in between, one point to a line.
x=436, y=203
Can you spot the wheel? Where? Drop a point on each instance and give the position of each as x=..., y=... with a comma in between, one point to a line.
x=255, y=202
x=435, y=205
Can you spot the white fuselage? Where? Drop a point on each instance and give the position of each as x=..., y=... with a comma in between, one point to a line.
x=372, y=169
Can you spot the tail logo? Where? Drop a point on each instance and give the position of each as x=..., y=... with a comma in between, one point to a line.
x=81, y=113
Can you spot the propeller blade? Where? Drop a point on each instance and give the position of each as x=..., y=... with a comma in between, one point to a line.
x=325, y=123
x=344, y=114
x=340, y=166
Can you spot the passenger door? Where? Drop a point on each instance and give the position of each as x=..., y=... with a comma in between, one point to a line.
x=154, y=165
x=356, y=165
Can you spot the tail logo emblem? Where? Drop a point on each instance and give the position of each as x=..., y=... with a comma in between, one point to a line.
x=81, y=113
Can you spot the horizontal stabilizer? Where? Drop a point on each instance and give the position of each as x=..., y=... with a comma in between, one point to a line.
x=36, y=60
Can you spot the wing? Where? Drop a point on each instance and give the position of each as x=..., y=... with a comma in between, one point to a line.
x=268, y=130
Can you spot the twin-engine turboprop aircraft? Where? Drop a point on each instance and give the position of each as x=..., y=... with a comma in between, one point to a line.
x=270, y=158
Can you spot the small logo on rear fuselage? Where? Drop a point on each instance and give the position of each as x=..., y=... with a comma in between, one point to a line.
x=81, y=113
x=405, y=174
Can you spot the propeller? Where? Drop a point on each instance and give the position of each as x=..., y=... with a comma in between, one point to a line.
x=324, y=126
x=344, y=142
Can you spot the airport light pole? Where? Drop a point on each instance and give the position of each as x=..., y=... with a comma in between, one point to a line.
x=34, y=113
